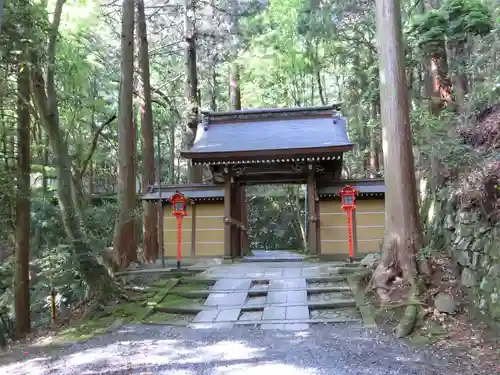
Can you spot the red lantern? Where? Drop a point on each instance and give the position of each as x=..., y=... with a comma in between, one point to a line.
x=348, y=198
x=178, y=204
x=179, y=211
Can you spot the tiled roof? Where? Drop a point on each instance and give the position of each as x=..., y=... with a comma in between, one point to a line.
x=211, y=191
x=191, y=191
x=261, y=130
x=363, y=186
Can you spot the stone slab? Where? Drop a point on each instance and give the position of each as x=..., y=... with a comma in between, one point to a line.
x=295, y=327
x=296, y=296
x=272, y=326
x=297, y=283
x=275, y=274
x=206, y=316
x=251, y=315
x=211, y=325
x=292, y=272
x=297, y=312
x=228, y=315
x=272, y=312
x=256, y=301
x=226, y=299
x=230, y=284
x=276, y=297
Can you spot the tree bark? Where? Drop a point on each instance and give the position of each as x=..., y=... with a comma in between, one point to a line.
x=191, y=89
x=149, y=227
x=125, y=241
x=234, y=75
x=374, y=142
x=23, y=204
x=403, y=237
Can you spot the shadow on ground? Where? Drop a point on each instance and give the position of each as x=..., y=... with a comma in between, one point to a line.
x=142, y=349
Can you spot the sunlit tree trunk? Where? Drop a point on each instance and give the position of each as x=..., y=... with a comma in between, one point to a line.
x=191, y=89
x=149, y=227
x=403, y=237
x=125, y=241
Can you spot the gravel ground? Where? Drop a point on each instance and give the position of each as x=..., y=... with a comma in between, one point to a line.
x=322, y=350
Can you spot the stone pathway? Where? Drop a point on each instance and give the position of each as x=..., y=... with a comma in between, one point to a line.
x=278, y=293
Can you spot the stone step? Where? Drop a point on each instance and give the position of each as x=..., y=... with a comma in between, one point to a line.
x=254, y=259
x=261, y=292
x=211, y=281
x=195, y=309
x=274, y=321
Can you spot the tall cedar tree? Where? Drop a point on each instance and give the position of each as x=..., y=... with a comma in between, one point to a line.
x=403, y=237
x=149, y=226
x=125, y=241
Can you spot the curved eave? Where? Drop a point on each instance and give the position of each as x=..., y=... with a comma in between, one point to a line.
x=316, y=153
x=362, y=195
x=194, y=200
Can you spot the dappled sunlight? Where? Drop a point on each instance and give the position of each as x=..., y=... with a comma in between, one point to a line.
x=265, y=369
x=36, y=366
x=141, y=354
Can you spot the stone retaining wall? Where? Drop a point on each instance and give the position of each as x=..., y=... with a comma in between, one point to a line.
x=471, y=241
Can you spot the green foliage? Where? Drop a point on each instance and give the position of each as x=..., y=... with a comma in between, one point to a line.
x=466, y=17
x=454, y=22
x=429, y=30
x=275, y=217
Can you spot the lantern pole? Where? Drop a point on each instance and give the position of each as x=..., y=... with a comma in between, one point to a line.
x=349, y=233
x=179, y=240
x=160, y=204
x=348, y=205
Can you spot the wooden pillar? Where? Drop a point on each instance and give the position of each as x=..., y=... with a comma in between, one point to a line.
x=318, y=222
x=337, y=174
x=161, y=241
x=245, y=246
x=227, y=215
x=354, y=235
x=193, y=229
x=236, y=216
x=312, y=236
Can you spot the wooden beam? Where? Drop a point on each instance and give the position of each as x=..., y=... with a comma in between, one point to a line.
x=318, y=221
x=227, y=215
x=354, y=234
x=193, y=229
x=244, y=219
x=312, y=217
x=236, y=218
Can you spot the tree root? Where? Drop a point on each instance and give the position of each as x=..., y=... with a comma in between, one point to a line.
x=408, y=321
x=410, y=316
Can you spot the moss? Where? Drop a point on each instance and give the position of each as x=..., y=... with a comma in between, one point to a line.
x=159, y=284
x=183, y=288
x=85, y=329
x=161, y=317
x=177, y=301
x=126, y=310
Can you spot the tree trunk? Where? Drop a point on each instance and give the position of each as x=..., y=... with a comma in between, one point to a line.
x=234, y=75
x=191, y=93
x=149, y=227
x=93, y=273
x=21, y=278
x=125, y=241
x=374, y=142
x=460, y=81
x=171, y=159
x=403, y=238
